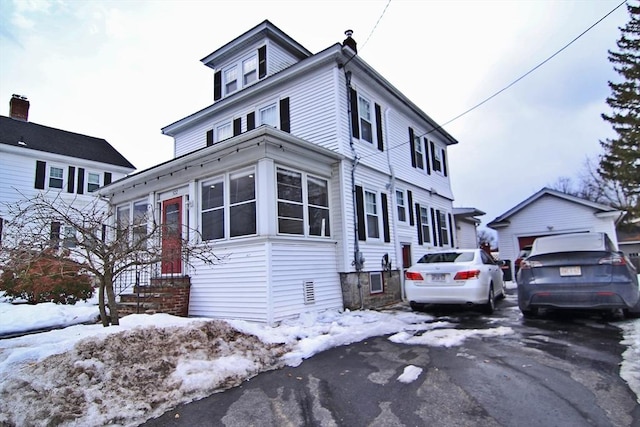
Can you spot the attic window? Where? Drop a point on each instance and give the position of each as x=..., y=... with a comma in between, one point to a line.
x=249, y=70
x=231, y=80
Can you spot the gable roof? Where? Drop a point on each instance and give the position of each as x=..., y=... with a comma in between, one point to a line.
x=503, y=220
x=29, y=135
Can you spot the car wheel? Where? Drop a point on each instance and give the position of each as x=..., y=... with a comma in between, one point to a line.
x=415, y=306
x=490, y=306
x=530, y=312
x=633, y=313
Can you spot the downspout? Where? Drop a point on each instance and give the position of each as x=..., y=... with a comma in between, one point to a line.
x=357, y=256
x=392, y=189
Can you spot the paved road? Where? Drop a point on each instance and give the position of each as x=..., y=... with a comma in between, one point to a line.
x=553, y=371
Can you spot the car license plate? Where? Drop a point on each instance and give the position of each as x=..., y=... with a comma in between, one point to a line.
x=438, y=277
x=570, y=271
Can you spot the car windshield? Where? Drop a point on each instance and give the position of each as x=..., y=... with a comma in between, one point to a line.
x=447, y=257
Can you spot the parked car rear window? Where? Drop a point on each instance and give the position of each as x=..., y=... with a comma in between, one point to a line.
x=447, y=257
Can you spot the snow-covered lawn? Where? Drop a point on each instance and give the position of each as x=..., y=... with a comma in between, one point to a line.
x=88, y=375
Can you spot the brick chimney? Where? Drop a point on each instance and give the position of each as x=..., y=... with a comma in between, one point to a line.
x=19, y=108
x=349, y=41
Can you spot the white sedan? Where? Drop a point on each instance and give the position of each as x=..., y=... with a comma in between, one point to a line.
x=455, y=276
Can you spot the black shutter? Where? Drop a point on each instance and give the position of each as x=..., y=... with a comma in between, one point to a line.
x=41, y=171
x=210, y=138
x=419, y=227
x=362, y=232
x=426, y=157
x=80, y=181
x=262, y=61
x=451, y=231
x=217, y=85
x=385, y=218
x=412, y=145
x=355, y=129
x=251, y=121
x=433, y=153
x=444, y=162
x=433, y=227
x=439, y=223
x=410, y=203
x=379, y=127
x=71, y=182
x=107, y=178
x=237, y=127
x=285, y=120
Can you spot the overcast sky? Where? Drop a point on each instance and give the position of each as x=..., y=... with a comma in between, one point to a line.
x=121, y=70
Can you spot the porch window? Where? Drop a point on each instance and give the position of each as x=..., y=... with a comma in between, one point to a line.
x=242, y=204
x=122, y=222
x=300, y=194
x=371, y=212
x=213, y=210
x=139, y=221
x=424, y=224
x=290, y=205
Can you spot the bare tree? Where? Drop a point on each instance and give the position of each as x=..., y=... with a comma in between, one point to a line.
x=105, y=246
x=486, y=237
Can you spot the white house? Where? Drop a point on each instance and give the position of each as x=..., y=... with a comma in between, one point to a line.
x=316, y=179
x=550, y=212
x=467, y=227
x=37, y=159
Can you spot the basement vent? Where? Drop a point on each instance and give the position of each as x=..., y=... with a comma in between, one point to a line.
x=309, y=292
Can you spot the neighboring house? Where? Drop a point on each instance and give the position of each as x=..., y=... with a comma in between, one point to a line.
x=39, y=159
x=550, y=212
x=629, y=241
x=316, y=179
x=467, y=227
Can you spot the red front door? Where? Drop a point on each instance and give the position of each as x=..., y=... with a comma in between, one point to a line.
x=172, y=236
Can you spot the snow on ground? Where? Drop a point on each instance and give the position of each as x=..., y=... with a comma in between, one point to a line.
x=88, y=375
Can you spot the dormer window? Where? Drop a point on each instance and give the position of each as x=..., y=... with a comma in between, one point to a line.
x=249, y=70
x=231, y=80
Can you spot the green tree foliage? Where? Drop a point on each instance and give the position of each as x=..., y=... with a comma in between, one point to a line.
x=49, y=277
x=620, y=162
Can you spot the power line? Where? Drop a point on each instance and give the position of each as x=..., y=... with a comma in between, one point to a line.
x=376, y=25
x=510, y=84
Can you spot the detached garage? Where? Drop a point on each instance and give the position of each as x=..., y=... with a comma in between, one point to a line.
x=549, y=212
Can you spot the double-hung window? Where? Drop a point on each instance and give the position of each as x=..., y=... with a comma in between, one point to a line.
x=402, y=208
x=366, y=119
x=290, y=202
x=122, y=222
x=231, y=80
x=228, y=206
x=224, y=131
x=444, y=228
x=424, y=224
x=56, y=177
x=418, y=152
x=302, y=199
x=139, y=221
x=268, y=115
x=249, y=70
x=437, y=159
x=69, y=237
x=93, y=182
x=371, y=213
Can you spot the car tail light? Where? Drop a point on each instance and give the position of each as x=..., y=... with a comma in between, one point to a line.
x=526, y=265
x=412, y=275
x=466, y=275
x=613, y=260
